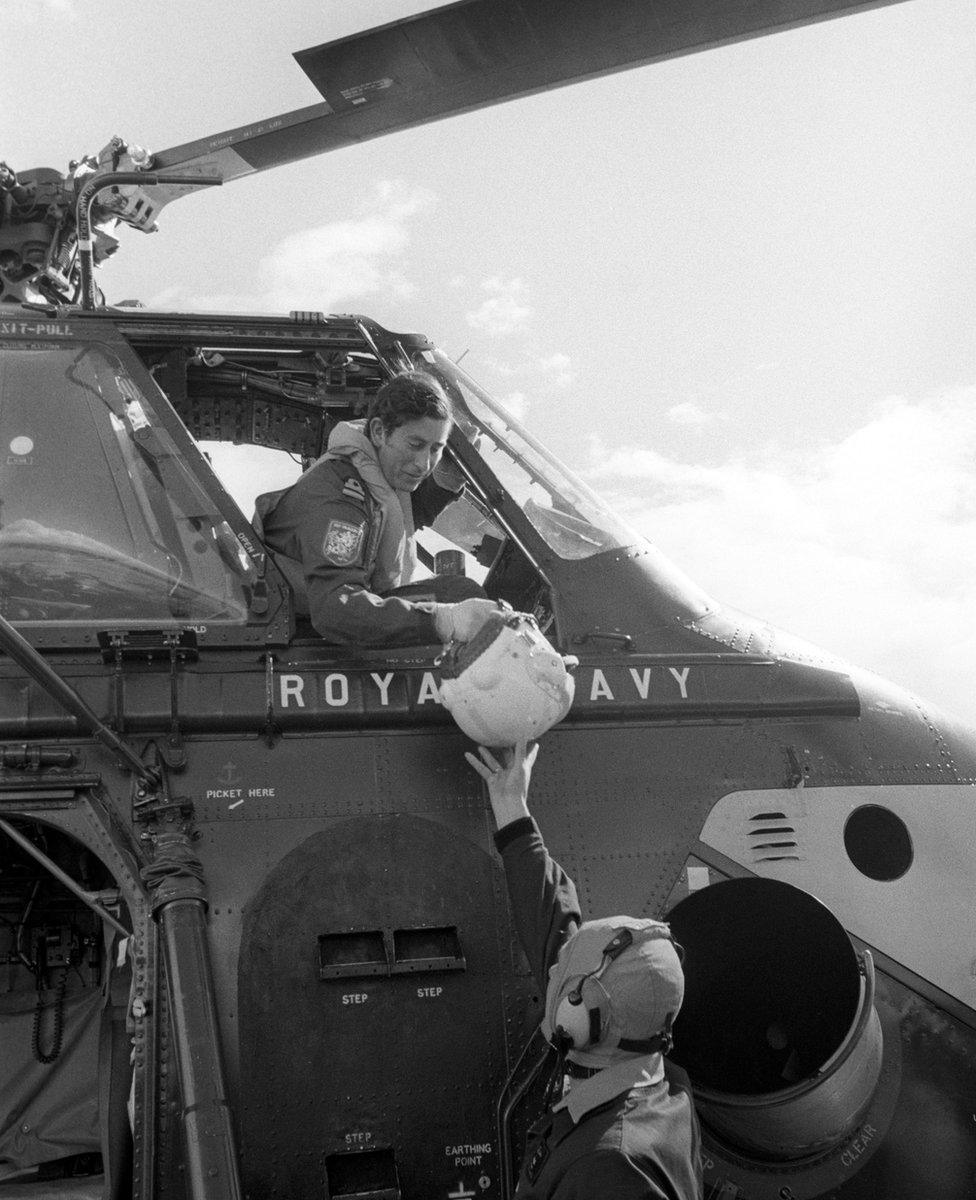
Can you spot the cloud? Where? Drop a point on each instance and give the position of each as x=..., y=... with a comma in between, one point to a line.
x=318, y=268
x=326, y=267
x=692, y=415
x=394, y=202
x=558, y=368
x=26, y=11
x=865, y=546
x=516, y=403
x=503, y=311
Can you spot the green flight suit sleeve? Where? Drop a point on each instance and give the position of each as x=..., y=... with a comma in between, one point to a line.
x=543, y=898
x=431, y=498
x=327, y=524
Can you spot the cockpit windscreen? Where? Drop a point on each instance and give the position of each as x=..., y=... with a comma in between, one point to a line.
x=572, y=519
x=120, y=531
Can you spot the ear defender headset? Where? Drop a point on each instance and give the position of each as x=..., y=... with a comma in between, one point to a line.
x=583, y=1014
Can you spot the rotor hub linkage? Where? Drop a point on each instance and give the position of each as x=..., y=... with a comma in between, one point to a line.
x=98, y=183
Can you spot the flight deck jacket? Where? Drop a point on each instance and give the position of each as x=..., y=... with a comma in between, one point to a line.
x=615, y=1136
x=325, y=532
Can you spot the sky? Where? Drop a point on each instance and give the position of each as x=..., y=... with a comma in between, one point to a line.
x=734, y=291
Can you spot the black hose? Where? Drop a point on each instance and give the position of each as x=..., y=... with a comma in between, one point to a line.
x=58, y=1036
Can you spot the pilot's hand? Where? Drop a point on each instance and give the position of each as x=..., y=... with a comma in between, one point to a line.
x=508, y=780
x=460, y=622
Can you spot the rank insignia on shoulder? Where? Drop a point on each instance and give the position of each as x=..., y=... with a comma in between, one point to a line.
x=342, y=543
x=352, y=489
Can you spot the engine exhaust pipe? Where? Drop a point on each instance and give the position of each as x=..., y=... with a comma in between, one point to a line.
x=778, y=1031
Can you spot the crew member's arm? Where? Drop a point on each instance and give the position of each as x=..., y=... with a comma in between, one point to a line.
x=543, y=897
x=435, y=493
x=325, y=522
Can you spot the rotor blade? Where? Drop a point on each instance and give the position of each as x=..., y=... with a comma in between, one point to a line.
x=476, y=53
x=481, y=52
x=249, y=148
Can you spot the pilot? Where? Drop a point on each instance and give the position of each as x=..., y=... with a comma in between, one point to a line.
x=623, y=1124
x=343, y=534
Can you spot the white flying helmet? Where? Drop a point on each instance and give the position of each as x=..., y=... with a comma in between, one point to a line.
x=508, y=684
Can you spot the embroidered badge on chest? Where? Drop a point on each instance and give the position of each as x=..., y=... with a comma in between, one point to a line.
x=342, y=543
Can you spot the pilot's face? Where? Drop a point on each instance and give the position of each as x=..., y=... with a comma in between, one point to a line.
x=409, y=453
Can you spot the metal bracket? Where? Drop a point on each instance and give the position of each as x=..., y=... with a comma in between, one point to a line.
x=799, y=771
x=28, y=757
x=148, y=645
x=152, y=802
x=625, y=640
x=271, y=731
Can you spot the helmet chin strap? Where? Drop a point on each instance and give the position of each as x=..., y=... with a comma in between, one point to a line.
x=660, y=1042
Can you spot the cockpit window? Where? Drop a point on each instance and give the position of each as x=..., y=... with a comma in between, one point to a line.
x=120, y=531
x=572, y=519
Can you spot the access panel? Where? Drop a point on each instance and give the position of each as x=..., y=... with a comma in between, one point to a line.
x=376, y=987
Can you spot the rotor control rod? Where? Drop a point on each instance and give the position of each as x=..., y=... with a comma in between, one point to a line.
x=98, y=183
x=26, y=656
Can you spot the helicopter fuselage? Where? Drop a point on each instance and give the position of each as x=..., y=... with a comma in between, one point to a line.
x=368, y=995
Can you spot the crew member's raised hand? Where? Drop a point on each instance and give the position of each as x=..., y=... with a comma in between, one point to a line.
x=508, y=780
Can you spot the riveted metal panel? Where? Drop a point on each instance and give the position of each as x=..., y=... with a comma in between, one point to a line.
x=340, y=1065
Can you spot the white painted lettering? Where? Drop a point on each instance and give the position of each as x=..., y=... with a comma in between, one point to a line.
x=223, y=793
x=642, y=682
x=384, y=686
x=682, y=678
x=247, y=544
x=429, y=993
x=600, y=689
x=358, y=1139
x=335, y=688
x=258, y=793
x=858, y=1146
x=428, y=689
x=292, y=687
x=355, y=998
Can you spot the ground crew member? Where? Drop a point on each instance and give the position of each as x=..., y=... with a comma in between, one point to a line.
x=343, y=534
x=624, y=1127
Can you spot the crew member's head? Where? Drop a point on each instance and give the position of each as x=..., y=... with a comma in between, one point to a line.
x=614, y=991
x=408, y=421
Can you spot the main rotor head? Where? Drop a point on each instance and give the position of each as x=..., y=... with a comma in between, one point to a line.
x=40, y=248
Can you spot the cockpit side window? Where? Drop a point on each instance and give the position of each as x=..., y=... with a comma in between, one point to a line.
x=570, y=518
x=121, y=530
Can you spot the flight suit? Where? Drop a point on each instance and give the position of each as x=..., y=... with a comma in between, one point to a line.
x=325, y=530
x=614, y=1136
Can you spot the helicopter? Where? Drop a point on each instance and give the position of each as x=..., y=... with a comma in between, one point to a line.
x=255, y=936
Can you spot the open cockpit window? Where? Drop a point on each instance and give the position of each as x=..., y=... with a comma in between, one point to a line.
x=120, y=530
x=573, y=521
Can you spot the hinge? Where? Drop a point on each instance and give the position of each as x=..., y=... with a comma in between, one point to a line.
x=149, y=645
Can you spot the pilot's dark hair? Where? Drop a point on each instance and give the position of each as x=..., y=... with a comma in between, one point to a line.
x=410, y=396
